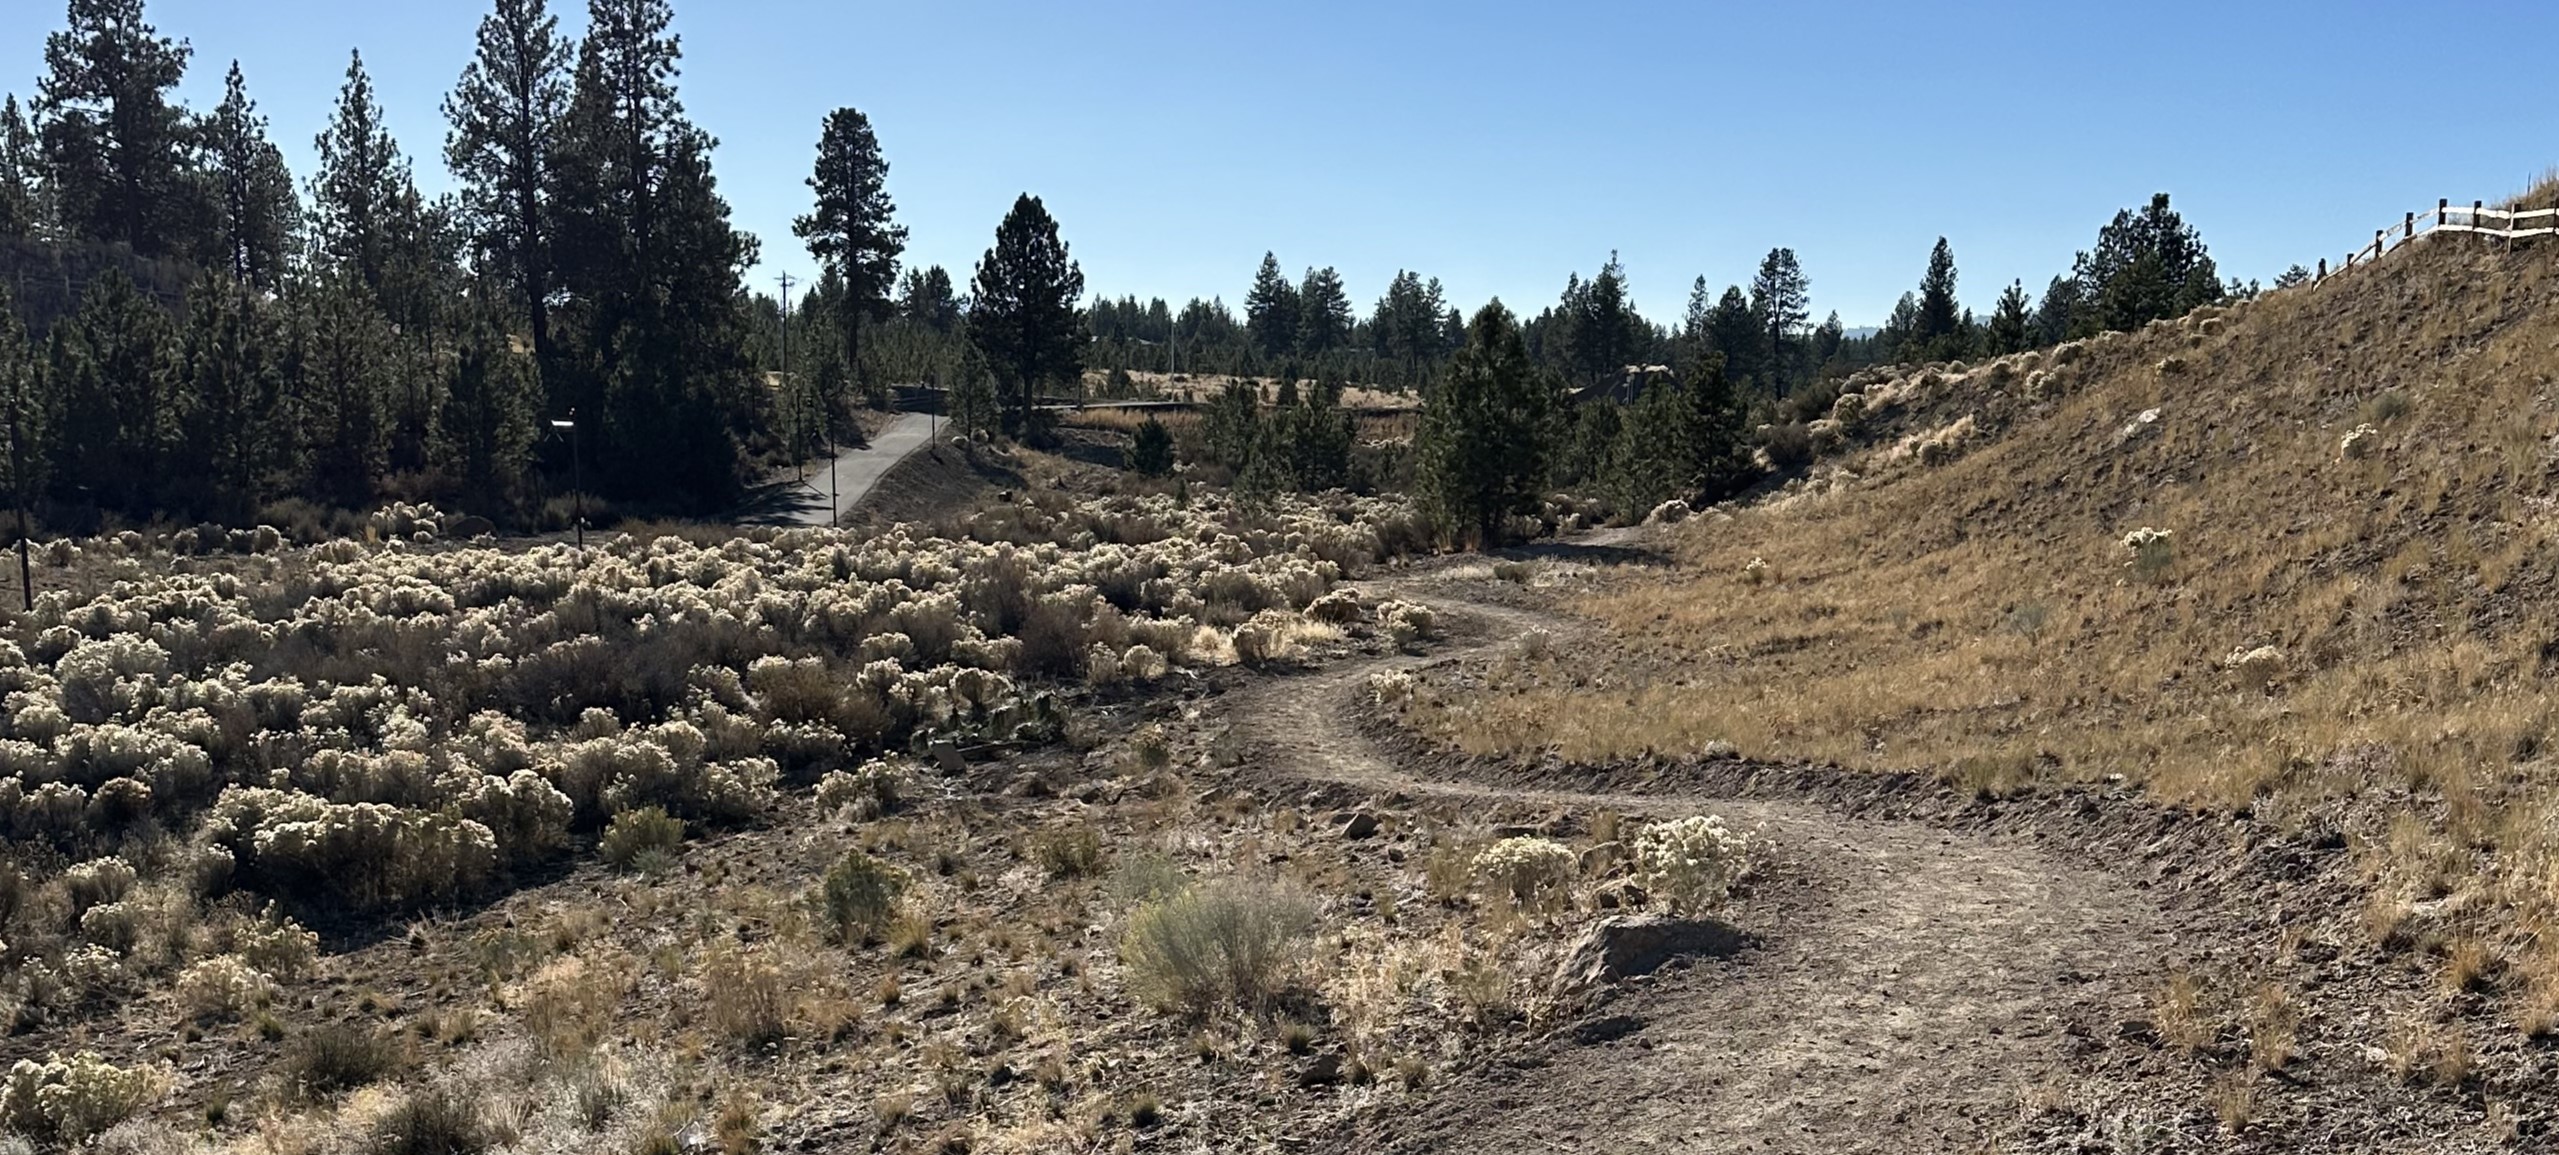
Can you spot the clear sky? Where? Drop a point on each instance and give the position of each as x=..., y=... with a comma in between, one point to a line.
x=1500, y=146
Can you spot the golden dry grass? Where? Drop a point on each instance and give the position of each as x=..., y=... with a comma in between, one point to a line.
x=1978, y=618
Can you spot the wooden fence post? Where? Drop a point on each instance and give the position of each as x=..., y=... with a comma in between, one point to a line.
x=2443, y=208
x=2475, y=224
x=2323, y=270
x=2409, y=227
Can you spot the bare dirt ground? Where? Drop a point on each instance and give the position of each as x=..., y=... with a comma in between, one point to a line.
x=1906, y=975
x=1930, y=975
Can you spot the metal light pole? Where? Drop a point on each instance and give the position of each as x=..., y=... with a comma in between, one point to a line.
x=577, y=474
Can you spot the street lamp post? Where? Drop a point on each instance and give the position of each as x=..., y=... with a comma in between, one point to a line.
x=577, y=474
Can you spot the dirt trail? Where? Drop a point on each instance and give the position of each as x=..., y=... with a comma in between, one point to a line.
x=1912, y=988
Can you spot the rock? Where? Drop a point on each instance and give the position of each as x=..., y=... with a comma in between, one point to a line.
x=1598, y=858
x=1325, y=1071
x=1622, y=946
x=1621, y=894
x=1361, y=824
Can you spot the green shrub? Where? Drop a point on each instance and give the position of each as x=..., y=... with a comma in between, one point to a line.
x=643, y=838
x=1151, y=452
x=431, y=1121
x=1144, y=878
x=858, y=895
x=1071, y=852
x=1221, y=943
x=341, y=1057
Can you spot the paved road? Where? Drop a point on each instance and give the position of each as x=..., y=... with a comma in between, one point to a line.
x=856, y=471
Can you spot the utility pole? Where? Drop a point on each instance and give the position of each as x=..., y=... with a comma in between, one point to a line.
x=797, y=462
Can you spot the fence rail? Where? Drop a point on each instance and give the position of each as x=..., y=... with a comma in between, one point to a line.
x=2448, y=217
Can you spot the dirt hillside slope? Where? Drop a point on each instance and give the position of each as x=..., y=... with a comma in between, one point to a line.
x=2338, y=630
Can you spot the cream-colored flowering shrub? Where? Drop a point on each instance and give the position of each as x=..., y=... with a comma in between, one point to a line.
x=1527, y=870
x=1691, y=862
x=223, y=988
x=69, y=1100
x=402, y=721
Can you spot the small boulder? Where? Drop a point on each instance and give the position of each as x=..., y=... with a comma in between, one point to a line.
x=1620, y=894
x=1622, y=946
x=1361, y=824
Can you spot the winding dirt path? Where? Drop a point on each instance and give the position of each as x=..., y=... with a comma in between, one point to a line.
x=1914, y=987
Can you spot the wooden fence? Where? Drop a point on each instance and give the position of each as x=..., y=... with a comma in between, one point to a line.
x=2511, y=224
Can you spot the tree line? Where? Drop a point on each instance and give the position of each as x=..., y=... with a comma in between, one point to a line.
x=198, y=333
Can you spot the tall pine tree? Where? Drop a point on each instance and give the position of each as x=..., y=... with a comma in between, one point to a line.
x=852, y=231
x=655, y=271
x=503, y=114
x=1482, y=451
x=258, y=219
x=115, y=146
x=1323, y=313
x=1272, y=310
x=1782, y=297
x=1939, y=331
x=1022, y=311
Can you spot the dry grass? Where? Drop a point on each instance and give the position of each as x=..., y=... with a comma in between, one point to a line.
x=1976, y=617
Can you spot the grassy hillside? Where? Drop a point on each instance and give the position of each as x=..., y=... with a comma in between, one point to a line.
x=2350, y=634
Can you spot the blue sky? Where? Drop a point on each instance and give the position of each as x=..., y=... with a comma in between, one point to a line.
x=1500, y=146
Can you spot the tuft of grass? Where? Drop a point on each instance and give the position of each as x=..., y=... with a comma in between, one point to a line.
x=857, y=896
x=642, y=841
x=337, y=1057
x=1068, y=852
x=1222, y=943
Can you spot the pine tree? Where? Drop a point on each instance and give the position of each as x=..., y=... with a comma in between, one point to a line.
x=25, y=418
x=2012, y=322
x=2146, y=267
x=851, y=232
x=1601, y=332
x=114, y=370
x=21, y=209
x=491, y=411
x=361, y=188
x=1782, y=297
x=1272, y=310
x=115, y=147
x=1827, y=338
x=1406, y=324
x=338, y=364
x=1150, y=452
x=1734, y=334
x=2057, y=317
x=258, y=218
x=232, y=404
x=654, y=268
x=504, y=113
x=1324, y=313
x=1022, y=311
x=1940, y=327
x=926, y=298
x=1483, y=450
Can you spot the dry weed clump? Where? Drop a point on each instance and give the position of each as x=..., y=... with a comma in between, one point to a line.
x=1224, y=943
